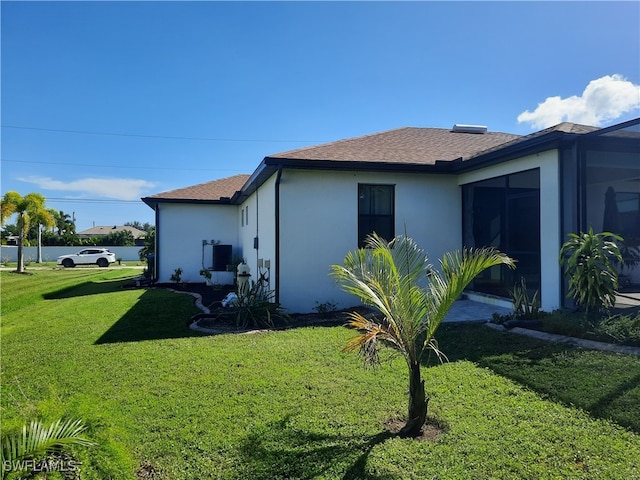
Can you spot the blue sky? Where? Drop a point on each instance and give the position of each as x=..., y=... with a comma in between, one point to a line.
x=171, y=94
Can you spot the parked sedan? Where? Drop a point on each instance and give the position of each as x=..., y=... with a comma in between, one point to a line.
x=90, y=256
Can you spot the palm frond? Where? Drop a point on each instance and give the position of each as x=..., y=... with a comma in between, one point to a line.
x=387, y=276
x=395, y=278
x=457, y=270
x=37, y=440
x=371, y=331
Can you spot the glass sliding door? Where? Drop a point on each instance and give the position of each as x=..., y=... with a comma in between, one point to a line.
x=504, y=213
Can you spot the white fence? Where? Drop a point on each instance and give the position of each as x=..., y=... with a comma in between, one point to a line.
x=9, y=253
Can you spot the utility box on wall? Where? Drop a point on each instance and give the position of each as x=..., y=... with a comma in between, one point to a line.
x=221, y=257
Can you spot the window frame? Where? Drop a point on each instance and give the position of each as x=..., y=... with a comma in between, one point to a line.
x=373, y=218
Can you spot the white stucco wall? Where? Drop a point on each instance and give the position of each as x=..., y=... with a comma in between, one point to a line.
x=181, y=228
x=319, y=225
x=550, y=233
x=261, y=224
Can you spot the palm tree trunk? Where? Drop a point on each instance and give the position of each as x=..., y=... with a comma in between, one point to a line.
x=417, y=404
x=20, y=265
x=39, y=256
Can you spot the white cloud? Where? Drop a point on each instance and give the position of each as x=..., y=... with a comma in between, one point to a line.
x=114, y=188
x=604, y=99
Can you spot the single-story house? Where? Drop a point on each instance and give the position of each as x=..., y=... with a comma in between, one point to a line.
x=301, y=211
x=103, y=231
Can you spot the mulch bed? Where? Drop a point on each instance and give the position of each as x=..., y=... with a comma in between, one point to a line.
x=210, y=295
x=211, y=298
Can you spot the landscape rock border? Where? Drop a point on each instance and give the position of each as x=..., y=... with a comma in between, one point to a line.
x=571, y=341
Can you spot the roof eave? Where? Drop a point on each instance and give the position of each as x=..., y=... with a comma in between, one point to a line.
x=152, y=202
x=440, y=166
x=534, y=145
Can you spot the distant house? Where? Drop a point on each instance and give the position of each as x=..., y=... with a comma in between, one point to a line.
x=101, y=231
x=301, y=211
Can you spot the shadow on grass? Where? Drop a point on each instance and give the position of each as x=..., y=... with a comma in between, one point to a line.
x=157, y=314
x=280, y=450
x=88, y=288
x=604, y=384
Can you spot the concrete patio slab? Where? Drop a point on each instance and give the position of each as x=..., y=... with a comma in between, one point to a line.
x=472, y=311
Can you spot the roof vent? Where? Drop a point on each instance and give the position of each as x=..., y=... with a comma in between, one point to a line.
x=462, y=128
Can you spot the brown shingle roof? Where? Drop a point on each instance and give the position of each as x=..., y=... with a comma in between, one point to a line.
x=106, y=230
x=402, y=146
x=209, y=191
x=408, y=145
x=564, y=127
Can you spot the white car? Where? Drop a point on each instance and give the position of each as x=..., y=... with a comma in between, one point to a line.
x=90, y=256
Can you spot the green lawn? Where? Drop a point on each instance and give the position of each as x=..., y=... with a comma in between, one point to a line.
x=289, y=404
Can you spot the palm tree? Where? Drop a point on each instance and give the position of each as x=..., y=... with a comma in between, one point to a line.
x=43, y=218
x=64, y=223
x=412, y=298
x=27, y=208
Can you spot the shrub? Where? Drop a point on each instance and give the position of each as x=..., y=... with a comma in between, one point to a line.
x=524, y=306
x=254, y=306
x=620, y=328
x=590, y=265
x=177, y=275
x=325, y=308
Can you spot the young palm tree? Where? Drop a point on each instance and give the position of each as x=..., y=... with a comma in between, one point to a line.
x=412, y=298
x=27, y=208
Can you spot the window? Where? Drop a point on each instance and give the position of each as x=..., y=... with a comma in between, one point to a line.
x=375, y=211
x=245, y=215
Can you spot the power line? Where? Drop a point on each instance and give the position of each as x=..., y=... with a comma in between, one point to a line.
x=113, y=134
x=89, y=200
x=119, y=166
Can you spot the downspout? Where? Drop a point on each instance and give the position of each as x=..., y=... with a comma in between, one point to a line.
x=156, y=263
x=277, y=260
x=257, y=245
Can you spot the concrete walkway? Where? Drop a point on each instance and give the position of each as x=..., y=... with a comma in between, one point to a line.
x=471, y=311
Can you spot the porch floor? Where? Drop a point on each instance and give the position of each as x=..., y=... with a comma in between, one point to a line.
x=472, y=311
x=627, y=302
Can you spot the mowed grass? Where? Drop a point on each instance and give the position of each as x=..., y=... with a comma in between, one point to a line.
x=160, y=399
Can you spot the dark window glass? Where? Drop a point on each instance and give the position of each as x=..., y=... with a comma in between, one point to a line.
x=375, y=211
x=628, y=204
